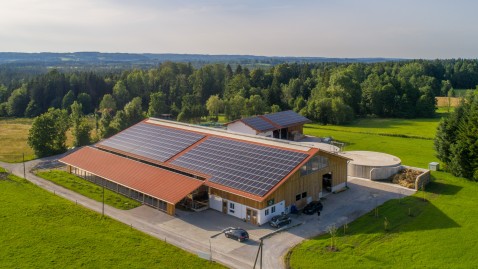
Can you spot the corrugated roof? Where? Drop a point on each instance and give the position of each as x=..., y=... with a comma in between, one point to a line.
x=160, y=183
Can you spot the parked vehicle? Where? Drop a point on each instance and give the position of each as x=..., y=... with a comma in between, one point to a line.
x=313, y=207
x=236, y=234
x=278, y=221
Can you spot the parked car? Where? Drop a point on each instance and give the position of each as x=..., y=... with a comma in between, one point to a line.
x=278, y=221
x=236, y=234
x=313, y=207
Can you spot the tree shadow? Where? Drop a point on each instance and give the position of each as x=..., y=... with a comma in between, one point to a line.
x=442, y=188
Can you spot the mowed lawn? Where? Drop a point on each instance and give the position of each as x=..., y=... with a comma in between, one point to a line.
x=410, y=140
x=441, y=232
x=41, y=230
x=88, y=189
x=437, y=228
x=13, y=140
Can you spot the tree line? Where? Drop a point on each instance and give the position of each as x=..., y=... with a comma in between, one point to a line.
x=456, y=139
x=325, y=92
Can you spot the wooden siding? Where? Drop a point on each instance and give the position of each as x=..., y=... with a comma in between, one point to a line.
x=296, y=184
x=170, y=209
x=298, y=128
x=235, y=198
x=311, y=183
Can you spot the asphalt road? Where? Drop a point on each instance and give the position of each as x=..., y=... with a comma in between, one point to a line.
x=193, y=231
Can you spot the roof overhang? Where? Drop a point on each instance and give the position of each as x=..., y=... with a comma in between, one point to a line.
x=160, y=183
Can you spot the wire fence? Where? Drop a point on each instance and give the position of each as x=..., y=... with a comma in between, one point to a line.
x=15, y=158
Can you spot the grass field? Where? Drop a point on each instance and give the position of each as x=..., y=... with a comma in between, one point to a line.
x=41, y=230
x=13, y=140
x=441, y=231
x=410, y=140
x=88, y=189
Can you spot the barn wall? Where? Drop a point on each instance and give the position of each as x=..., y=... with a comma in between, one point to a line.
x=311, y=183
x=240, y=127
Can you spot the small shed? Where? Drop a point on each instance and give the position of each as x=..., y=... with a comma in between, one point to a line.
x=433, y=166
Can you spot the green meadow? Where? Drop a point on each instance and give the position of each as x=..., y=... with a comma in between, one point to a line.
x=88, y=189
x=42, y=230
x=437, y=228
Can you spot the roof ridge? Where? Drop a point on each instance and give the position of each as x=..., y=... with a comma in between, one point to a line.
x=270, y=121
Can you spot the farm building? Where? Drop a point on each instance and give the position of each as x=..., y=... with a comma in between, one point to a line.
x=286, y=125
x=165, y=164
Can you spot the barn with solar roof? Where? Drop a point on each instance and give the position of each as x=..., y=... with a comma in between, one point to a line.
x=166, y=164
x=286, y=125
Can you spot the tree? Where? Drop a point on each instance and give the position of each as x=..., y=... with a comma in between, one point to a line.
x=105, y=130
x=234, y=107
x=18, y=102
x=81, y=133
x=214, y=105
x=85, y=100
x=119, y=123
x=80, y=127
x=47, y=135
x=3, y=93
x=275, y=108
x=455, y=141
x=255, y=105
x=32, y=110
x=121, y=94
x=157, y=105
x=108, y=103
x=68, y=100
x=133, y=111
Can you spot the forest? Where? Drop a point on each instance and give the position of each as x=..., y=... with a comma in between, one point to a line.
x=325, y=92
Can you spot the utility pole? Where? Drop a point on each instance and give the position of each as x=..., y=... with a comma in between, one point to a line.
x=103, y=209
x=257, y=255
x=24, y=170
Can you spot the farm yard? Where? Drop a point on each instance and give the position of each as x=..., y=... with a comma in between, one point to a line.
x=434, y=228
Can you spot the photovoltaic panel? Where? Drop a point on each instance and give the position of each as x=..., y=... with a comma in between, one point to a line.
x=286, y=118
x=258, y=124
x=243, y=166
x=152, y=141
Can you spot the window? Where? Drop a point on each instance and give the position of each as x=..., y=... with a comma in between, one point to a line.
x=231, y=205
x=273, y=209
x=266, y=212
x=297, y=197
x=304, y=194
x=303, y=170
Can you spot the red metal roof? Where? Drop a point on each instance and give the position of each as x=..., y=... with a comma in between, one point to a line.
x=165, y=185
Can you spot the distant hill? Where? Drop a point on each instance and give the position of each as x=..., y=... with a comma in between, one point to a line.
x=148, y=59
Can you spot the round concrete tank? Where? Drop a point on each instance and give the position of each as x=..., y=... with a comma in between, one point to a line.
x=372, y=165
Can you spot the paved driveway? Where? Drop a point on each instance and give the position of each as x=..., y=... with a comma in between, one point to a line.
x=200, y=231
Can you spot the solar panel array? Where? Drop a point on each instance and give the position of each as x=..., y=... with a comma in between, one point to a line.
x=243, y=166
x=152, y=141
x=286, y=118
x=258, y=123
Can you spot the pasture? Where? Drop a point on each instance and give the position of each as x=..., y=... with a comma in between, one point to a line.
x=438, y=232
x=436, y=228
x=42, y=230
x=410, y=140
x=13, y=140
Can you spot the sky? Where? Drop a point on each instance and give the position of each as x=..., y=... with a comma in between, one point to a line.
x=426, y=29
